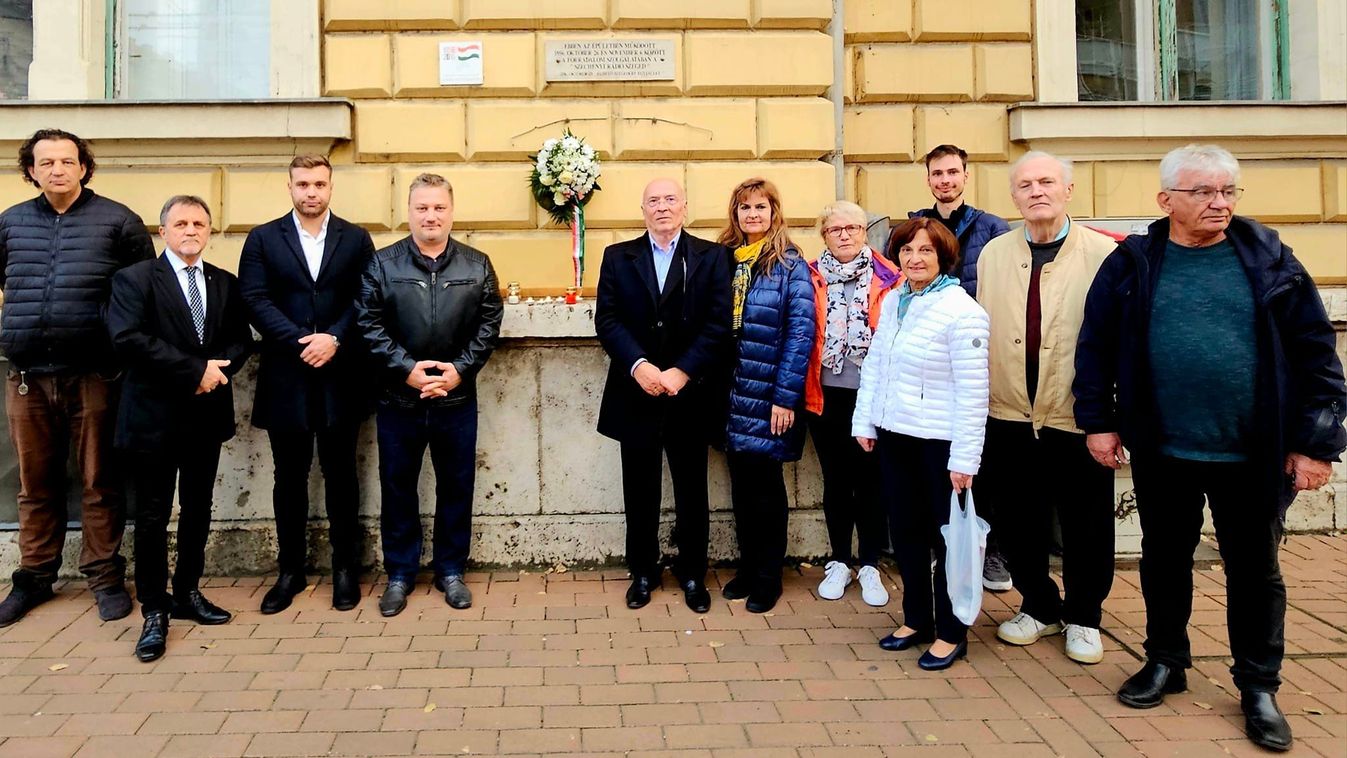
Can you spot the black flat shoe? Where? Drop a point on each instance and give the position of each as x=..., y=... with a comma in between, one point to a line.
x=394, y=599
x=696, y=596
x=764, y=597
x=894, y=643
x=638, y=594
x=738, y=588
x=930, y=662
x=345, y=589
x=456, y=593
x=153, y=637
x=280, y=595
x=1264, y=722
x=113, y=603
x=21, y=600
x=1147, y=688
x=195, y=607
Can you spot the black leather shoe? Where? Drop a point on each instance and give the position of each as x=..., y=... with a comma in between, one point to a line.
x=638, y=594
x=345, y=589
x=763, y=597
x=930, y=662
x=21, y=600
x=696, y=596
x=195, y=607
x=894, y=643
x=153, y=637
x=394, y=599
x=280, y=595
x=456, y=593
x=1264, y=722
x=113, y=603
x=1147, y=688
x=738, y=588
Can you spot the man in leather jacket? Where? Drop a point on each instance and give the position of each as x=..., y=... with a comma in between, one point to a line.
x=430, y=312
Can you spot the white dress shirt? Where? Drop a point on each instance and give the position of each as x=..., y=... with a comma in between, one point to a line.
x=180, y=272
x=311, y=245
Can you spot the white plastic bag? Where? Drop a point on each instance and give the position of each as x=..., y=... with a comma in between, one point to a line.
x=965, y=544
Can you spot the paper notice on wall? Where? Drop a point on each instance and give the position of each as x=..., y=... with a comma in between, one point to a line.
x=460, y=63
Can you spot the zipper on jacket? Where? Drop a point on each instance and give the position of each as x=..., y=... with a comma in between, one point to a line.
x=432, y=299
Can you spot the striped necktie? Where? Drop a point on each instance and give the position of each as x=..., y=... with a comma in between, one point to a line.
x=194, y=301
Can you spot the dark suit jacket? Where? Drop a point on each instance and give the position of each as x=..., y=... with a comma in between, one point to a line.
x=686, y=325
x=151, y=328
x=287, y=303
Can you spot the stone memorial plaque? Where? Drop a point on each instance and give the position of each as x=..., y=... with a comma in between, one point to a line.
x=610, y=60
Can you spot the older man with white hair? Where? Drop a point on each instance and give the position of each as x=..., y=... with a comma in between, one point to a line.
x=1033, y=282
x=663, y=316
x=1207, y=352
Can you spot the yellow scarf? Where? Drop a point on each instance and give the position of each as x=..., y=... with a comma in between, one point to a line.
x=744, y=259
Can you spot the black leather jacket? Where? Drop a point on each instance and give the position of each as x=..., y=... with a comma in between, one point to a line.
x=413, y=308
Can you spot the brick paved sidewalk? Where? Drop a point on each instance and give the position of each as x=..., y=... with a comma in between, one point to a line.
x=555, y=663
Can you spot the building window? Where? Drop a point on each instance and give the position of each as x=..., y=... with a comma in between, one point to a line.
x=16, y=48
x=192, y=49
x=1181, y=50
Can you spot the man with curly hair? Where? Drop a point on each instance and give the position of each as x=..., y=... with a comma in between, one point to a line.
x=58, y=253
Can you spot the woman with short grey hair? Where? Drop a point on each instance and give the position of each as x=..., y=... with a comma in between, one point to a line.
x=850, y=282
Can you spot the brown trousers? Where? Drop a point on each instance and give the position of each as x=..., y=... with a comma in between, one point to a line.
x=57, y=412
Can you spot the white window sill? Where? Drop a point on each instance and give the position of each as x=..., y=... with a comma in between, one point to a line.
x=185, y=132
x=1149, y=130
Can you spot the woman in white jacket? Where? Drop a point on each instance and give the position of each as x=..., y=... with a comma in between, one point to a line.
x=922, y=408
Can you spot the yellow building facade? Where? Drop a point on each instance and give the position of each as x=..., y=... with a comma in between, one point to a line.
x=827, y=98
x=750, y=96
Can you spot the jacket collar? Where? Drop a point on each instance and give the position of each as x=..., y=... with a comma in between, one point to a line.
x=1266, y=260
x=86, y=195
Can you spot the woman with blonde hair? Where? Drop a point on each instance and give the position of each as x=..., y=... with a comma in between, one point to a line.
x=773, y=323
x=850, y=283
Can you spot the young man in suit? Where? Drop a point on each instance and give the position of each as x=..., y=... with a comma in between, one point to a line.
x=179, y=325
x=663, y=316
x=300, y=275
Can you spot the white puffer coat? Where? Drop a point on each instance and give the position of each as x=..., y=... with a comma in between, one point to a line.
x=929, y=378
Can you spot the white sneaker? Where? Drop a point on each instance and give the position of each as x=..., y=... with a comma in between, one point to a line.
x=872, y=587
x=836, y=577
x=1023, y=629
x=1083, y=645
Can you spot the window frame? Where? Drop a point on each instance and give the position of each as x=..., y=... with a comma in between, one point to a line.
x=1284, y=78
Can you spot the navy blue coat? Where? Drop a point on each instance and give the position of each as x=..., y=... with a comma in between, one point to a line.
x=773, y=358
x=975, y=230
x=1299, y=393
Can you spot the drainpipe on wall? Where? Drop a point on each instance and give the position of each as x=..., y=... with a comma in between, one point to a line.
x=836, y=28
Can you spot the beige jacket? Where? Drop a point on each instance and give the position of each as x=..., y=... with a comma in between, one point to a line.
x=1003, y=289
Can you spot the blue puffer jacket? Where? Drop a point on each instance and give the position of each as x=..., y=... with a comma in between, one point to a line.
x=976, y=229
x=773, y=358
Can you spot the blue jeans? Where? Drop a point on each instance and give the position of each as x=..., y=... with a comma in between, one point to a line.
x=404, y=434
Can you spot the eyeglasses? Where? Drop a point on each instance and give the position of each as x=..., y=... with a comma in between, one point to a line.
x=851, y=230
x=1207, y=194
x=671, y=201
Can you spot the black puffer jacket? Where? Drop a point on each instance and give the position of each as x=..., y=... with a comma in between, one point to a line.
x=409, y=312
x=56, y=270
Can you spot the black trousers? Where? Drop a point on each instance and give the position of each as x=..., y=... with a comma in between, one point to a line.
x=1169, y=501
x=292, y=451
x=914, y=480
x=850, y=481
x=642, y=480
x=761, y=513
x=1024, y=479
x=191, y=468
